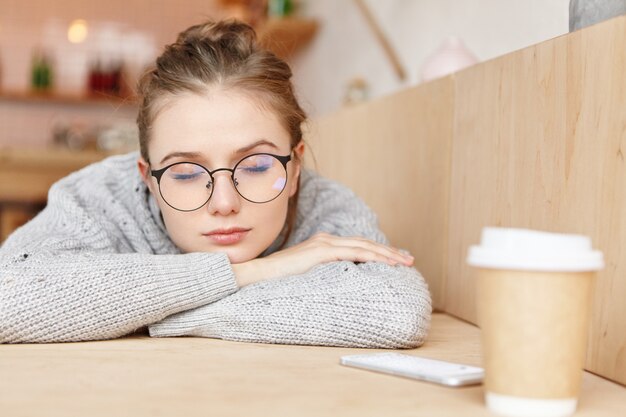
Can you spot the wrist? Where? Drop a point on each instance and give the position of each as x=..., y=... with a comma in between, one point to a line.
x=245, y=273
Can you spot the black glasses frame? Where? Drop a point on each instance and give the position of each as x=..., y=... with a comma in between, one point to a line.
x=158, y=173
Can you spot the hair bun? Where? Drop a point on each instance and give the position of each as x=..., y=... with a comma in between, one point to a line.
x=231, y=34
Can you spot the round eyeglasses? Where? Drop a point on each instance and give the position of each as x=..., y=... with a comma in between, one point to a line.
x=258, y=178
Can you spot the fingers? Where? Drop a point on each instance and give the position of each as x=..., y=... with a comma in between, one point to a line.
x=363, y=250
x=347, y=253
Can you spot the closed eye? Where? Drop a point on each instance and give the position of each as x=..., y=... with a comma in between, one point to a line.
x=260, y=168
x=185, y=177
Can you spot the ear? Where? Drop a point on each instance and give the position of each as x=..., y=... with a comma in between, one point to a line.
x=144, y=171
x=299, y=155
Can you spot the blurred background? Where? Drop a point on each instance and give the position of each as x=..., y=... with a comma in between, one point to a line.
x=68, y=67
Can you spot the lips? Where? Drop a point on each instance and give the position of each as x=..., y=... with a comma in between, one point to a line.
x=228, y=236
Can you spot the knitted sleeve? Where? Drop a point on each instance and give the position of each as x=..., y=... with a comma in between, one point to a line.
x=337, y=304
x=68, y=276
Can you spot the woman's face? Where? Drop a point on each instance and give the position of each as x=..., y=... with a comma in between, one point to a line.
x=217, y=131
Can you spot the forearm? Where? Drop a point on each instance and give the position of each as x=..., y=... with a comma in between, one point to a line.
x=336, y=304
x=89, y=296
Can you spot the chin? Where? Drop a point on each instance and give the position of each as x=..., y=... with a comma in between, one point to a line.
x=238, y=255
x=235, y=255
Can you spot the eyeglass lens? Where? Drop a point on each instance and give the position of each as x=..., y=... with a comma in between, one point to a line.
x=257, y=178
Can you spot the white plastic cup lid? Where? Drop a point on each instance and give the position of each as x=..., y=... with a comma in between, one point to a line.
x=504, y=248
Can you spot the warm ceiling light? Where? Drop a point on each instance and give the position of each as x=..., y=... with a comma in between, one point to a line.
x=77, y=31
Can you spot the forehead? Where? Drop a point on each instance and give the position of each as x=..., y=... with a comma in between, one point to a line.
x=215, y=125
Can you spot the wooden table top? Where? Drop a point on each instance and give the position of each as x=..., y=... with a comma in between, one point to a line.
x=188, y=376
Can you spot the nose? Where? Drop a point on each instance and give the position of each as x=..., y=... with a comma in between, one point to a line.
x=225, y=198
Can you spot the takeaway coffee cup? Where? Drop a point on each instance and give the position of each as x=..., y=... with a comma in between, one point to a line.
x=534, y=294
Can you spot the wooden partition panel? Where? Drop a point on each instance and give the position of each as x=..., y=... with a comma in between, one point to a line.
x=508, y=156
x=539, y=142
x=394, y=153
x=534, y=139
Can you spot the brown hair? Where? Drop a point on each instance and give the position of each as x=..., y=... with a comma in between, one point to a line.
x=225, y=54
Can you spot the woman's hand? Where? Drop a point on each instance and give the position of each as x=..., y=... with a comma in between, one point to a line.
x=320, y=248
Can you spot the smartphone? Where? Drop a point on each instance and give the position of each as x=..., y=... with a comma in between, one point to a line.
x=415, y=367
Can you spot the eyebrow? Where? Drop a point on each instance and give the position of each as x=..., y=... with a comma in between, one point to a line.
x=254, y=145
x=193, y=155
x=189, y=155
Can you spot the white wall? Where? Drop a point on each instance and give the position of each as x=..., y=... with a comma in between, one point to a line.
x=344, y=47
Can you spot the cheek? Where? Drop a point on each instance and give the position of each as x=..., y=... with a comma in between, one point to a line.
x=174, y=219
x=270, y=217
x=179, y=224
x=268, y=221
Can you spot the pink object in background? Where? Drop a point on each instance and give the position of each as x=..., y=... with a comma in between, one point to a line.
x=451, y=56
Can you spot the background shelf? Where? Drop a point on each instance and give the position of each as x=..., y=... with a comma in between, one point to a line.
x=67, y=99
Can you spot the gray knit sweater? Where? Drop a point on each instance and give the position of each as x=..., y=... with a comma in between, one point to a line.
x=97, y=263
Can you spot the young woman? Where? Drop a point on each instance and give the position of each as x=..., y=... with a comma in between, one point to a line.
x=219, y=233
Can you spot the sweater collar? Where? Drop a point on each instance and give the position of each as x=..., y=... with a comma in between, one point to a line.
x=154, y=226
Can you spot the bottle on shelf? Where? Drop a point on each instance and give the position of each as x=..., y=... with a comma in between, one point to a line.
x=93, y=76
x=106, y=77
x=279, y=8
x=41, y=71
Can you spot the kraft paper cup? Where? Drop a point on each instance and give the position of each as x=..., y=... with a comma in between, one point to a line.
x=534, y=294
